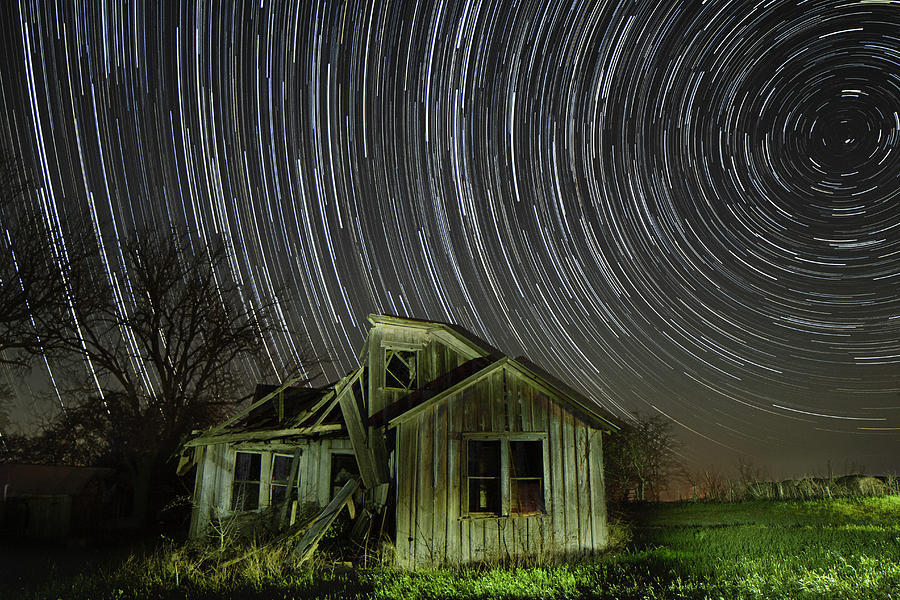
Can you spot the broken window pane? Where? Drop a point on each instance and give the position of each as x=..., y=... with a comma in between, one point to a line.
x=245, y=489
x=343, y=469
x=526, y=476
x=400, y=369
x=281, y=472
x=483, y=476
x=281, y=467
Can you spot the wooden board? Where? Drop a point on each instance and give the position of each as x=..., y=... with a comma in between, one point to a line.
x=288, y=501
x=455, y=477
x=405, y=458
x=441, y=487
x=598, y=489
x=426, y=552
x=585, y=537
x=365, y=460
x=307, y=544
x=570, y=481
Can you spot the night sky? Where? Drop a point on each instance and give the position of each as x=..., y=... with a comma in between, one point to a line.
x=682, y=208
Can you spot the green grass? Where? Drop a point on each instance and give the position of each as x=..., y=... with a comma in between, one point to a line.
x=841, y=548
x=878, y=512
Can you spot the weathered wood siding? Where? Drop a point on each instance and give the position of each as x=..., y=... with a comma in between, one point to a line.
x=432, y=527
x=435, y=358
x=215, y=475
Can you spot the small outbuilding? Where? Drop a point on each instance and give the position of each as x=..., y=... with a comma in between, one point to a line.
x=42, y=502
x=458, y=453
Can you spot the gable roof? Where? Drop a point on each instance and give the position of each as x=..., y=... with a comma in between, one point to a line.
x=461, y=335
x=474, y=370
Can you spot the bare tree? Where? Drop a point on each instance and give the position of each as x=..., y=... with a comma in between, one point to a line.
x=163, y=348
x=711, y=484
x=32, y=272
x=639, y=459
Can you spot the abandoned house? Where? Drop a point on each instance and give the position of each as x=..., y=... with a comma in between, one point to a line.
x=457, y=453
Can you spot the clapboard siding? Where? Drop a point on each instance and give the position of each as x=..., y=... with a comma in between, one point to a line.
x=435, y=358
x=432, y=528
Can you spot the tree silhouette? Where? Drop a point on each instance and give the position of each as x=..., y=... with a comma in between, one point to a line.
x=164, y=349
x=32, y=270
x=639, y=459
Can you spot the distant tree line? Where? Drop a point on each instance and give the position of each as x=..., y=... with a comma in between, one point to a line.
x=642, y=464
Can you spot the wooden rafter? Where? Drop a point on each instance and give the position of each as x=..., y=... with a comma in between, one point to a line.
x=257, y=434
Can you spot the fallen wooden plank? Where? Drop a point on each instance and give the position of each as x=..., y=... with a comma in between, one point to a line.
x=307, y=544
x=261, y=435
x=357, y=431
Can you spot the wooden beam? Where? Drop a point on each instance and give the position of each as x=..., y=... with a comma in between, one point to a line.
x=292, y=478
x=186, y=460
x=307, y=544
x=325, y=411
x=353, y=419
x=265, y=434
x=280, y=389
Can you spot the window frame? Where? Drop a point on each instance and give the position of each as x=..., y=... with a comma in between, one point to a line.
x=271, y=482
x=332, y=490
x=505, y=492
x=266, y=468
x=394, y=349
x=258, y=481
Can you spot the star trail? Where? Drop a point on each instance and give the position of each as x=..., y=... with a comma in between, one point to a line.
x=685, y=208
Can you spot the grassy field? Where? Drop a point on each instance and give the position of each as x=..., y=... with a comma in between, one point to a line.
x=841, y=548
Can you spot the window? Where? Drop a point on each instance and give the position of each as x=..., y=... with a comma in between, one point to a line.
x=400, y=369
x=484, y=476
x=281, y=472
x=505, y=475
x=526, y=476
x=343, y=469
x=261, y=479
x=245, y=489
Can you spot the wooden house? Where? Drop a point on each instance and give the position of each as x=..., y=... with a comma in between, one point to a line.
x=469, y=455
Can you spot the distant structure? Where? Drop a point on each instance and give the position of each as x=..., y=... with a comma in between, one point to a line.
x=42, y=502
x=456, y=452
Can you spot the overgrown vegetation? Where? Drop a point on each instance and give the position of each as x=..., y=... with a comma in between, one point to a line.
x=840, y=548
x=750, y=484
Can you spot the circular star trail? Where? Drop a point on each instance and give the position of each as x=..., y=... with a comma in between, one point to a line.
x=681, y=208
